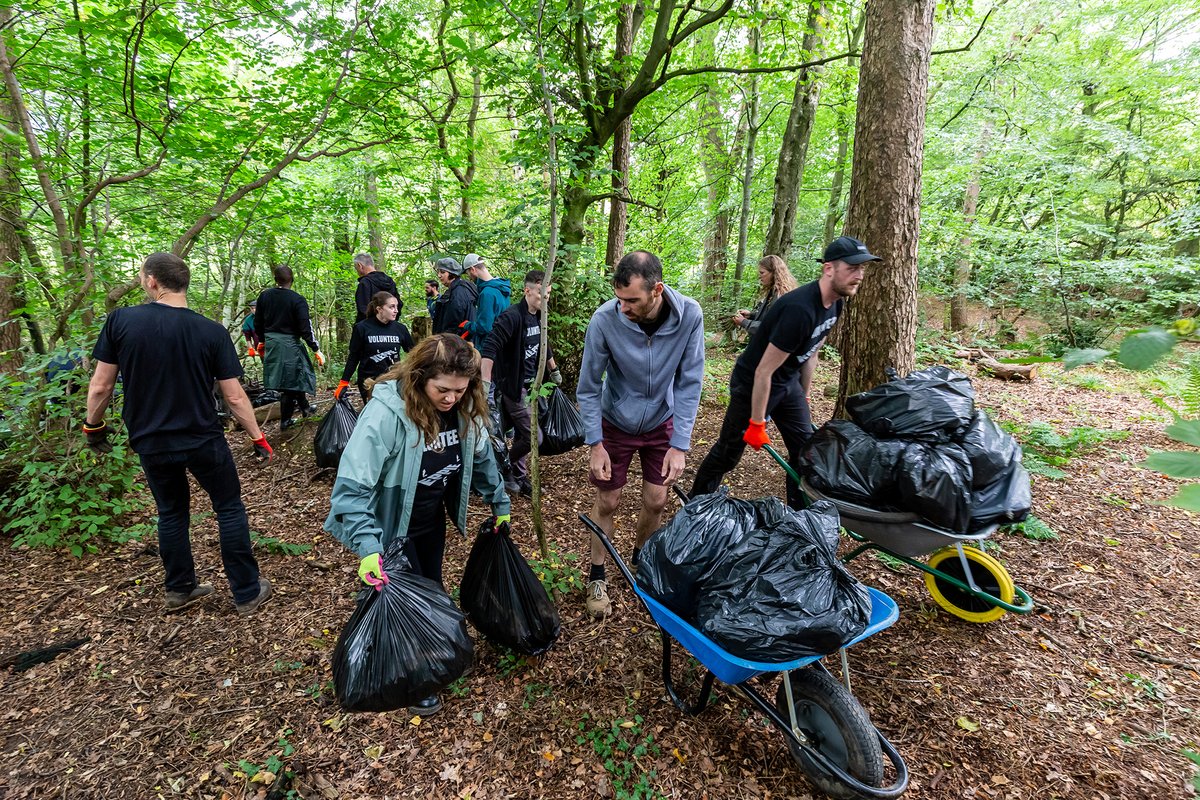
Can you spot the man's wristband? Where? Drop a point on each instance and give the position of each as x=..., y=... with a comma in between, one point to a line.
x=90, y=428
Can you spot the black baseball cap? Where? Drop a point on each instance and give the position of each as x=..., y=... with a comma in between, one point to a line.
x=848, y=249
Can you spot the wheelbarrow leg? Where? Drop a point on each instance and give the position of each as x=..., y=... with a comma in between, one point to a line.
x=705, y=687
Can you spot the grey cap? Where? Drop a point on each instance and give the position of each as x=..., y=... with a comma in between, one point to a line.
x=472, y=260
x=448, y=264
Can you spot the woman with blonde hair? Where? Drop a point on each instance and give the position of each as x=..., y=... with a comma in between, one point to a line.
x=775, y=280
x=418, y=448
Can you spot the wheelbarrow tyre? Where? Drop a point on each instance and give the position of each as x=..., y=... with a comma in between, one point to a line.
x=838, y=727
x=989, y=574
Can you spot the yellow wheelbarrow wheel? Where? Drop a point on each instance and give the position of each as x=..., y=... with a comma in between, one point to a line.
x=989, y=574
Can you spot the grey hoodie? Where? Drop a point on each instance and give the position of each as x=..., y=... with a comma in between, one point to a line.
x=637, y=382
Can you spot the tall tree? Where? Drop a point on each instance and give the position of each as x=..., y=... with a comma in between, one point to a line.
x=885, y=192
x=628, y=15
x=10, y=241
x=792, y=154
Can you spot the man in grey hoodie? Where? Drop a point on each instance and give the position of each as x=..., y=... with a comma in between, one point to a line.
x=639, y=390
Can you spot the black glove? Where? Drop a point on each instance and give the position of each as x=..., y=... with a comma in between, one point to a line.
x=97, y=437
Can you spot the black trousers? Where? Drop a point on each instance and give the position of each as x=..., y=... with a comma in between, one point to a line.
x=516, y=414
x=787, y=407
x=289, y=401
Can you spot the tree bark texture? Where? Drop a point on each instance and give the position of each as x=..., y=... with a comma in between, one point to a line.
x=618, y=214
x=10, y=241
x=790, y=173
x=717, y=173
x=374, y=228
x=844, y=126
x=885, y=192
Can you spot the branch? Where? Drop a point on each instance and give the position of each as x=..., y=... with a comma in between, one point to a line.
x=967, y=46
x=753, y=70
x=624, y=198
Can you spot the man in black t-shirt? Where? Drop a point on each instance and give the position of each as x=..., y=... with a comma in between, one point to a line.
x=168, y=357
x=510, y=358
x=774, y=373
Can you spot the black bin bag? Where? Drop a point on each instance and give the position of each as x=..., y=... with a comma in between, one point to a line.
x=783, y=594
x=844, y=461
x=990, y=449
x=934, y=480
x=333, y=433
x=401, y=644
x=503, y=598
x=930, y=405
x=678, y=556
x=1005, y=500
x=562, y=427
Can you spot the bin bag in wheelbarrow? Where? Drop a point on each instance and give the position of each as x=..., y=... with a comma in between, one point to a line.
x=333, y=433
x=844, y=461
x=783, y=594
x=934, y=480
x=990, y=449
x=562, y=427
x=503, y=598
x=930, y=405
x=403, y=642
x=1005, y=500
x=678, y=556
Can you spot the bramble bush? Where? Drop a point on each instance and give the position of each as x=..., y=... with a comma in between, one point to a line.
x=54, y=491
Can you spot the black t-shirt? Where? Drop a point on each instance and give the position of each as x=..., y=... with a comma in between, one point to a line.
x=168, y=358
x=284, y=311
x=374, y=347
x=441, y=477
x=795, y=323
x=651, y=327
x=531, y=351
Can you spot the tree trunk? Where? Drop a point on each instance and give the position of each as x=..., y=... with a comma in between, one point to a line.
x=885, y=192
x=618, y=214
x=739, y=268
x=962, y=266
x=374, y=228
x=343, y=292
x=844, y=127
x=10, y=241
x=790, y=172
x=716, y=165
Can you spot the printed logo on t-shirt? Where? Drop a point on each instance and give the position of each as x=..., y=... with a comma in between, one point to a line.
x=817, y=336
x=445, y=461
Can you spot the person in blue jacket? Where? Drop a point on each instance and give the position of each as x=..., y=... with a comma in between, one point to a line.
x=494, y=294
x=417, y=449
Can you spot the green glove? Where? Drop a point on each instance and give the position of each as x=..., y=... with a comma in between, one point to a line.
x=370, y=570
x=555, y=377
x=502, y=518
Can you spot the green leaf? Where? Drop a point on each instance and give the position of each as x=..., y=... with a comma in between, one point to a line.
x=1186, y=431
x=1141, y=350
x=1187, y=498
x=1174, y=463
x=1078, y=358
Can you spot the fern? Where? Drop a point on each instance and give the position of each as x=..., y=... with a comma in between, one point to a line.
x=1191, y=390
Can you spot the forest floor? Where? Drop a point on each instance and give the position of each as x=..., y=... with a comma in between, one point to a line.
x=1094, y=695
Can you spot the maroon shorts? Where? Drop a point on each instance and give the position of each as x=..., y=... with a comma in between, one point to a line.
x=650, y=446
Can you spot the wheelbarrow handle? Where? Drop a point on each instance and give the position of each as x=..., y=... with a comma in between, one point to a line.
x=771, y=451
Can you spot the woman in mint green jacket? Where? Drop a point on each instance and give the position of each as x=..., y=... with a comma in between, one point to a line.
x=416, y=448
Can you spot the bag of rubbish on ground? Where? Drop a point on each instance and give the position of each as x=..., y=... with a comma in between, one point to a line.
x=503, y=598
x=782, y=593
x=405, y=641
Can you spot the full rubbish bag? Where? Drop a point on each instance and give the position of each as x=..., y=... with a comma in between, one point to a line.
x=990, y=449
x=930, y=405
x=844, y=461
x=934, y=480
x=1004, y=501
x=333, y=433
x=681, y=554
x=783, y=594
x=503, y=598
x=405, y=641
x=562, y=427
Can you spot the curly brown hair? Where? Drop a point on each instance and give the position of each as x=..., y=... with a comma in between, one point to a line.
x=444, y=354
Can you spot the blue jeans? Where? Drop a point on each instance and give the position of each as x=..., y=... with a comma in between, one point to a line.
x=212, y=465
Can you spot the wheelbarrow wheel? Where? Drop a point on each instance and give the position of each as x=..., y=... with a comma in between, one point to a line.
x=989, y=574
x=835, y=725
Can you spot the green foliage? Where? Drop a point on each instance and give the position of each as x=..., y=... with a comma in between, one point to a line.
x=54, y=491
x=278, y=547
x=1045, y=449
x=1033, y=528
x=274, y=771
x=559, y=573
x=620, y=745
x=1194, y=757
x=1180, y=464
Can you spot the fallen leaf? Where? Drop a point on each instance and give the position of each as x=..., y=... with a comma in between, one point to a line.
x=680, y=757
x=1086, y=568
x=334, y=723
x=966, y=724
x=374, y=751
x=450, y=773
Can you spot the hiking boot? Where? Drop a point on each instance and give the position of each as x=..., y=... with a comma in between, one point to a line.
x=525, y=487
x=598, y=604
x=288, y=423
x=250, y=606
x=512, y=487
x=310, y=411
x=427, y=707
x=177, y=601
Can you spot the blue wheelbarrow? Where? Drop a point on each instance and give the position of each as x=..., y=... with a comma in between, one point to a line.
x=829, y=733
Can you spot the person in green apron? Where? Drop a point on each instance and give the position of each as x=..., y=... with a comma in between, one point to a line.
x=283, y=325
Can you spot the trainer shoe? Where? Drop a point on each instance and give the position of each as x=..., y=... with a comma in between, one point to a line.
x=427, y=707
x=250, y=606
x=598, y=604
x=178, y=601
